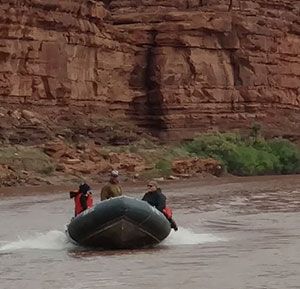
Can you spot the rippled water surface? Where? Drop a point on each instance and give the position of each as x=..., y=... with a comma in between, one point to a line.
x=234, y=235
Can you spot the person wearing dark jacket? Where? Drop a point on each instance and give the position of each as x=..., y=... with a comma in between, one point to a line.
x=82, y=198
x=157, y=199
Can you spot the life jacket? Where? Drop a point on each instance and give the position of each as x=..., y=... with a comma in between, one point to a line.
x=168, y=212
x=78, y=206
x=89, y=201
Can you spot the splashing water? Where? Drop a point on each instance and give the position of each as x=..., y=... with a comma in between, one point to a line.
x=52, y=240
x=187, y=237
x=57, y=240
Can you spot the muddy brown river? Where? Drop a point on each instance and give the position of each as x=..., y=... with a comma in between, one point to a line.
x=235, y=233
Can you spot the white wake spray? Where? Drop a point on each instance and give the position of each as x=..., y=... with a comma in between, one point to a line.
x=52, y=240
x=57, y=240
x=187, y=237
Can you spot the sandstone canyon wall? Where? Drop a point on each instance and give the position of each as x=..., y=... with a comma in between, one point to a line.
x=172, y=66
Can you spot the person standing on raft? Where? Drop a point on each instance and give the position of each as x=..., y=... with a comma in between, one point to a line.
x=83, y=198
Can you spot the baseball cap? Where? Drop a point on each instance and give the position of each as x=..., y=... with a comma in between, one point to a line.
x=114, y=173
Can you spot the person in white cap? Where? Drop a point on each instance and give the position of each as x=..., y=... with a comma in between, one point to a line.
x=112, y=188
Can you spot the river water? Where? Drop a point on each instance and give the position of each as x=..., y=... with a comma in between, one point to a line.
x=233, y=234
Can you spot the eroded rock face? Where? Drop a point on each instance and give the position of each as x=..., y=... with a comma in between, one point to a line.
x=176, y=67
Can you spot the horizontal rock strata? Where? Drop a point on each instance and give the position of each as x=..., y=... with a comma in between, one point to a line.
x=174, y=67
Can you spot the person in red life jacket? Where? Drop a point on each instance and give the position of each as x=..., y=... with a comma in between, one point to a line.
x=157, y=199
x=83, y=198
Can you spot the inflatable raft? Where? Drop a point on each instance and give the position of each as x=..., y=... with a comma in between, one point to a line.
x=119, y=223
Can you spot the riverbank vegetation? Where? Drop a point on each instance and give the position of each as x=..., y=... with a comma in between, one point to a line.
x=141, y=157
x=247, y=156
x=239, y=155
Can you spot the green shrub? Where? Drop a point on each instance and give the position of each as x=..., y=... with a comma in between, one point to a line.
x=213, y=145
x=248, y=161
x=249, y=156
x=288, y=155
x=164, y=167
x=177, y=152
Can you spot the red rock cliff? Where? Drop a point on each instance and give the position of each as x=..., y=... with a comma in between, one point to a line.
x=177, y=67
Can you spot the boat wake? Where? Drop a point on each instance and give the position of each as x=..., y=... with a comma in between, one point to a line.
x=52, y=240
x=187, y=237
x=57, y=240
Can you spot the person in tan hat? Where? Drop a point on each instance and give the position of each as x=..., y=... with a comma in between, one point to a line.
x=112, y=188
